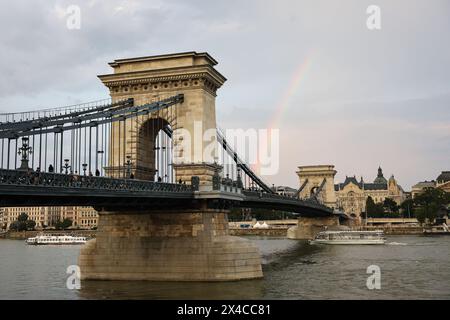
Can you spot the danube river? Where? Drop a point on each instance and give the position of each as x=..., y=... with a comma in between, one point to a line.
x=411, y=267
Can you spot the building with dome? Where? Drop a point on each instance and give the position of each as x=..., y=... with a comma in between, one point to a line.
x=442, y=182
x=351, y=195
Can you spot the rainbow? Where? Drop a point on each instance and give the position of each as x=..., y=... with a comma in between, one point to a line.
x=296, y=79
x=282, y=107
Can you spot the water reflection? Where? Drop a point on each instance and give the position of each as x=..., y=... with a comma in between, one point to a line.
x=251, y=289
x=283, y=253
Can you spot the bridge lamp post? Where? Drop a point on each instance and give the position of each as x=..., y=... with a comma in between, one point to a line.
x=128, y=165
x=101, y=153
x=66, y=166
x=24, y=151
x=239, y=179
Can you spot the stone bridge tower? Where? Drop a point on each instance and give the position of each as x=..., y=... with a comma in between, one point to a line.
x=168, y=243
x=150, y=79
x=311, y=178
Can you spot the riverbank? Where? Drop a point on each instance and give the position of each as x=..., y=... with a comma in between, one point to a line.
x=278, y=231
x=282, y=231
x=271, y=232
x=394, y=230
x=23, y=235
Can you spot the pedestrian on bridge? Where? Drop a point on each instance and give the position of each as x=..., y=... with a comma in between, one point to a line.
x=76, y=179
x=35, y=178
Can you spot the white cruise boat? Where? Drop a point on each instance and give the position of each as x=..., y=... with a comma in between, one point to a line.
x=349, y=237
x=45, y=240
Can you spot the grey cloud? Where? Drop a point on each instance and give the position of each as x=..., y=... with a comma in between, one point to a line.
x=395, y=80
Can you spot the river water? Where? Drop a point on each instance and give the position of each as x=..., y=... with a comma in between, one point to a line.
x=411, y=267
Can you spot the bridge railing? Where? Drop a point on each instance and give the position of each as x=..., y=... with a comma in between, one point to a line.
x=284, y=198
x=226, y=184
x=33, y=178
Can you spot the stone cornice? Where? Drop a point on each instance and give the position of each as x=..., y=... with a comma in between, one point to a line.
x=155, y=79
x=145, y=84
x=192, y=54
x=169, y=74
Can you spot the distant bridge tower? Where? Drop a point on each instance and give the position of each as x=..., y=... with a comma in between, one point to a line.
x=315, y=182
x=318, y=181
x=150, y=79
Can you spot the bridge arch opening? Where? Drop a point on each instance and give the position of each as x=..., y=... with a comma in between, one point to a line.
x=154, y=151
x=313, y=191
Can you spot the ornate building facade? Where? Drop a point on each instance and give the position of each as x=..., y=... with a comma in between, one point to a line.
x=443, y=181
x=82, y=217
x=351, y=196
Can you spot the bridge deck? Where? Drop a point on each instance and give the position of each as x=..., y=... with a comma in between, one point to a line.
x=27, y=188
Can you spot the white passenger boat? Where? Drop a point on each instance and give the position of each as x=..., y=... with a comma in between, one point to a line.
x=349, y=237
x=45, y=240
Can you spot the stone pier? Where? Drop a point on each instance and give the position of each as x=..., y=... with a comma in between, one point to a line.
x=165, y=246
x=307, y=228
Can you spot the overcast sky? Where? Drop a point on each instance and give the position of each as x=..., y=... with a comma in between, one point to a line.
x=340, y=93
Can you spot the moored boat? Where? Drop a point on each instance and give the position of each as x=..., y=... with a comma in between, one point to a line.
x=350, y=237
x=58, y=240
x=442, y=229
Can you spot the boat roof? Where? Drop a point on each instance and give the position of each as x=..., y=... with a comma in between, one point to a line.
x=352, y=232
x=64, y=236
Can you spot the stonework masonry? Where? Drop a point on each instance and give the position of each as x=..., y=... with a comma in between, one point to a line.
x=151, y=79
x=165, y=246
x=308, y=228
x=191, y=244
x=311, y=177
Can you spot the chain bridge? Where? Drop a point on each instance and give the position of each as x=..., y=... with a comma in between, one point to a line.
x=152, y=161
